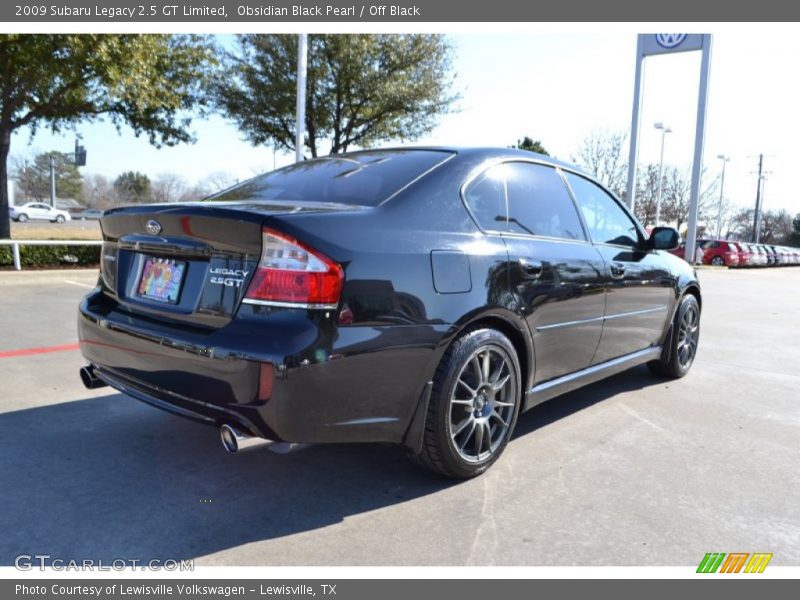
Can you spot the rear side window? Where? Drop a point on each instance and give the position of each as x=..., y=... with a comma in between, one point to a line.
x=524, y=198
x=486, y=199
x=364, y=178
x=608, y=223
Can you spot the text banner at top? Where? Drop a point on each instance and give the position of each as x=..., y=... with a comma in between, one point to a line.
x=421, y=11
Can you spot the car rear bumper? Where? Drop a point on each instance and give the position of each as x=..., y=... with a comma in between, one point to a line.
x=327, y=384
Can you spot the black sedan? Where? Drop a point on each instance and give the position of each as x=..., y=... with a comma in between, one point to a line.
x=423, y=297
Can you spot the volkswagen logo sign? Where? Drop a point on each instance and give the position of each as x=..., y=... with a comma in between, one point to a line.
x=670, y=40
x=153, y=227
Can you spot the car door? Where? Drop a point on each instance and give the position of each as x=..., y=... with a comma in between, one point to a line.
x=40, y=211
x=639, y=284
x=555, y=275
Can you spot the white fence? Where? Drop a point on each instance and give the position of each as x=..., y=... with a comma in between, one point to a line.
x=15, y=244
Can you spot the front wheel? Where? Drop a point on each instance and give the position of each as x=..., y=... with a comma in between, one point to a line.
x=60, y=219
x=677, y=358
x=473, y=406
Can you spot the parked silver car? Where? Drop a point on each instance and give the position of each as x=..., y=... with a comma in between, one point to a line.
x=38, y=211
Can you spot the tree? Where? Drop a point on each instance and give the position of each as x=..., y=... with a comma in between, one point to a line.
x=133, y=186
x=361, y=89
x=531, y=146
x=197, y=192
x=149, y=82
x=741, y=224
x=676, y=197
x=776, y=226
x=168, y=187
x=33, y=179
x=602, y=154
x=99, y=192
x=646, y=194
x=794, y=238
x=218, y=181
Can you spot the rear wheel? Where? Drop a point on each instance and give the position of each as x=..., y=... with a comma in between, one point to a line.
x=718, y=261
x=22, y=218
x=683, y=341
x=473, y=406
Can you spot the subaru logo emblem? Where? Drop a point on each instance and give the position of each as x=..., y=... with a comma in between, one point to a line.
x=670, y=40
x=153, y=227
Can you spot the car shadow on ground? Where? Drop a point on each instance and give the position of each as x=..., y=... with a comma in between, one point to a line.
x=572, y=402
x=108, y=478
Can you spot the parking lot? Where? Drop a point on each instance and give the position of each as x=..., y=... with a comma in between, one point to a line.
x=630, y=471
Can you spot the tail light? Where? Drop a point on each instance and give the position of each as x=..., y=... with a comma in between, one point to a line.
x=292, y=274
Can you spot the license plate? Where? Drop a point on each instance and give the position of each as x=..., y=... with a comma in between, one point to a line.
x=161, y=279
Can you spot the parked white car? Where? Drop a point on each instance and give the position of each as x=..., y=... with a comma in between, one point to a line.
x=38, y=211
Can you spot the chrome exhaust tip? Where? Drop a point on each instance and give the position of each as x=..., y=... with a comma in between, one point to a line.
x=89, y=379
x=235, y=440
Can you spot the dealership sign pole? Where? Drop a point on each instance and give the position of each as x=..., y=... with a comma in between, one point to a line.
x=667, y=43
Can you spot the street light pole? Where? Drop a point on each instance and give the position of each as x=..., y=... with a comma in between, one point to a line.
x=664, y=131
x=302, y=66
x=724, y=160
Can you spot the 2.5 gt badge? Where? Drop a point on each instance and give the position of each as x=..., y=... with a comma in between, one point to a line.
x=227, y=277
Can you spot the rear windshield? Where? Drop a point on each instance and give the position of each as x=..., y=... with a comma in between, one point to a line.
x=365, y=178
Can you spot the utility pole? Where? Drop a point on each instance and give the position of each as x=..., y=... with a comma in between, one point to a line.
x=724, y=160
x=52, y=180
x=27, y=188
x=759, y=193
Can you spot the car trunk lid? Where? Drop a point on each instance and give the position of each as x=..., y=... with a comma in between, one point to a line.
x=189, y=263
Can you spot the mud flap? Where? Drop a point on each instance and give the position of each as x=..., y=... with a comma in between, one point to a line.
x=415, y=433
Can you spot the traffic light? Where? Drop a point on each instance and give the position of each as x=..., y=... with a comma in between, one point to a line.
x=80, y=155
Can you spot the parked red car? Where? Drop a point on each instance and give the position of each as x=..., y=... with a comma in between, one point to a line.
x=745, y=259
x=699, y=254
x=719, y=253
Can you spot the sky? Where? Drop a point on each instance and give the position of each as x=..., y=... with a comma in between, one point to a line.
x=554, y=87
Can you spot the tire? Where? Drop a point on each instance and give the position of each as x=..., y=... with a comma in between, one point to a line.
x=60, y=219
x=718, y=261
x=471, y=415
x=22, y=218
x=683, y=341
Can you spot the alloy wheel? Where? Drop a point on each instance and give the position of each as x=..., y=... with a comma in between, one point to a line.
x=482, y=404
x=688, y=335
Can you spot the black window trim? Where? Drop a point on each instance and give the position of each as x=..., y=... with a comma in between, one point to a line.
x=516, y=234
x=641, y=234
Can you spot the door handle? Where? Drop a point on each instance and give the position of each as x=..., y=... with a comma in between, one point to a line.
x=617, y=270
x=531, y=268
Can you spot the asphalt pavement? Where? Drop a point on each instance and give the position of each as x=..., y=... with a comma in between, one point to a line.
x=634, y=470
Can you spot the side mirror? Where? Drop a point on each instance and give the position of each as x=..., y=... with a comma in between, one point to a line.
x=664, y=238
